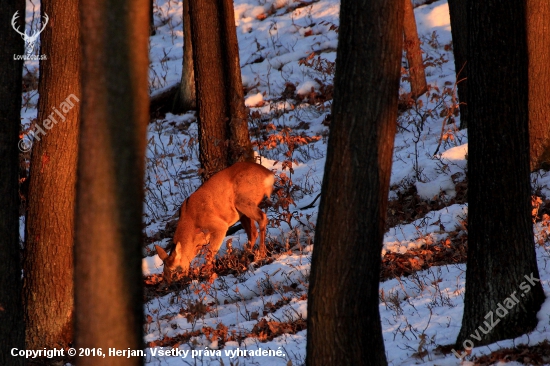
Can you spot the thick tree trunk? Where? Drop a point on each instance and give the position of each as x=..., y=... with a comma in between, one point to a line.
x=459, y=30
x=240, y=147
x=417, y=77
x=538, y=39
x=223, y=131
x=186, y=97
x=501, y=254
x=12, y=329
x=210, y=86
x=115, y=113
x=48, y=264
x=343, y=318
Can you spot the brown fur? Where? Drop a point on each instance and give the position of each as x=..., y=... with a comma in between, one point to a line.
x=230, y=195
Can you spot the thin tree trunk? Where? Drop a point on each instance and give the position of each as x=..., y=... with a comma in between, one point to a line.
x=538, y=39
x=186, y=97
x=115, y=112
x=501, y=254
x=459, y=30
x=343, y=318
x=417, y=77
x=152, y=30
x=48, y=279
x=12, y=329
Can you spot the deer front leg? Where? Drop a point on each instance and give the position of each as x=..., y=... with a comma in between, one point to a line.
x=250, y=228
x=263, y=228
x=216, y=241
x=254, y=213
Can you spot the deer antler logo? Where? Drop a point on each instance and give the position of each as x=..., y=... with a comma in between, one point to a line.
x=30, y=40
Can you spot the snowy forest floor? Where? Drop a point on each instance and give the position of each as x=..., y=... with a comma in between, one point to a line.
x=287, y=54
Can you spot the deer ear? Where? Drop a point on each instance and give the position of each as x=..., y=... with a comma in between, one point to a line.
x=161, y=253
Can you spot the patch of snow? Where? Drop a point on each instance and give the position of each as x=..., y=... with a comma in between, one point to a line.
x=253, y=100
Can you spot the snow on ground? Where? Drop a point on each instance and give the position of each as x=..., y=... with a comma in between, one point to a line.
x=275, y=36
x=278, y=39
x=433, y=227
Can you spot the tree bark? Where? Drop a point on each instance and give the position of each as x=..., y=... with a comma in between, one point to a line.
x=538, y=40
x=500, y=232
x=240, y=147
x=12, y=329
x=343, y=294
x=417, y=77
x=210, y=86
x=459, y=30
x=223, y=130
x=115, y=112
x=186, y=97
x=152, y=30
x=48, y=264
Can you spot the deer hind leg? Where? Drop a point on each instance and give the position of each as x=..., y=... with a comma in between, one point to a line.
x=254, y=213
x=250, y=228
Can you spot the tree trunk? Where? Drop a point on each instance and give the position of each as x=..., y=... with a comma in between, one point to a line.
x=48, y=264
x=417, y=77
x=186, y=98
x=115, y=112
x=501, y=253
x=459, y=30
x=218, y=86
x=240, y=147
x=538, y=40
x=12, y=329
x=210, y=86
x=152, y=30
x=343, y=318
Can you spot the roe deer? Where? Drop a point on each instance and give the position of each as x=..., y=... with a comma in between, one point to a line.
x=230, y=195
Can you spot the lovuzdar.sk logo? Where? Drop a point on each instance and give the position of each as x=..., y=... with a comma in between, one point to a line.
x=30, y=40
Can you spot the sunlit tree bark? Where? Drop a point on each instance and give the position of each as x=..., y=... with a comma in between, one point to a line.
x=417, y=77
x=223, y=126
x=538, y=41
x=48, y=264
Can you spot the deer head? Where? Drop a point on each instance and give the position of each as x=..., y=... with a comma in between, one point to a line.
x=230, y=195
x=30, y=40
